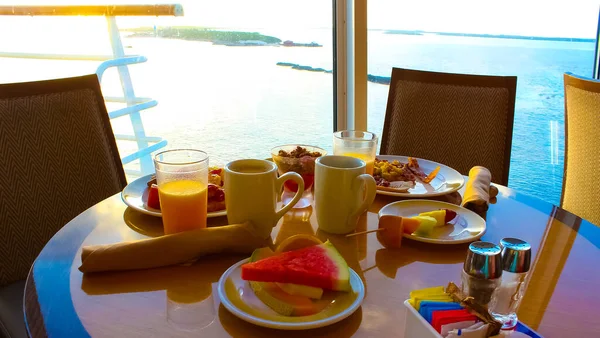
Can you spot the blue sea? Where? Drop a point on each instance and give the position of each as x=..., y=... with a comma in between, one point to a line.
x=236, y=102
x=538, y=137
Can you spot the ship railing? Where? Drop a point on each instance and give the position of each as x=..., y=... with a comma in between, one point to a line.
x=146, y=145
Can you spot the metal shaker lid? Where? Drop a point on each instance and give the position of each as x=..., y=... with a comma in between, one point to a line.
x=516, y=255
x=484, y=260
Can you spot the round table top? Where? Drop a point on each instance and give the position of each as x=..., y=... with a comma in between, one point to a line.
x=561, y=299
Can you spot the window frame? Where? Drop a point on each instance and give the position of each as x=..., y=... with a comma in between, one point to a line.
x=350, y=64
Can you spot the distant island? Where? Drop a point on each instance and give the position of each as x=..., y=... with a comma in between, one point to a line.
x=497, y=36
x=216, y=36
x=290, y=43
x=370, y=78
x=300, y=67
x=201, y=34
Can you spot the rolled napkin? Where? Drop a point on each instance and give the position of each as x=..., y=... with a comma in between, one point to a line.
x=172, y=249
x=478, y=191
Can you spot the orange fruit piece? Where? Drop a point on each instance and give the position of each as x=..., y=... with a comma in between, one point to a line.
x=410, y=225
x=298, y=242
x=391, y=236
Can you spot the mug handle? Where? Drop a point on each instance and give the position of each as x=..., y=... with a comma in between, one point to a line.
x=371, y=188
x=296, y=178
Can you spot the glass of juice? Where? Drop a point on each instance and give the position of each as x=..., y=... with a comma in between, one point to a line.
x=298, y=158
x=355, y=143
x=182, y=179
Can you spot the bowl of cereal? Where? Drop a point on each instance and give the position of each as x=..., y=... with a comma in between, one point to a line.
x=297, y=158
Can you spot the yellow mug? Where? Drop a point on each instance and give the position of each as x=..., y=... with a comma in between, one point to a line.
x=251, y=192
x=343, y=191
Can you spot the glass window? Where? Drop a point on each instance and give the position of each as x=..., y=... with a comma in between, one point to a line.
x=234, y=78
x=537, y=41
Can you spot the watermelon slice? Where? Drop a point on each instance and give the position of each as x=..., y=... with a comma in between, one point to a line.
x=153, y=201
x=320, y=266
x=278, y=297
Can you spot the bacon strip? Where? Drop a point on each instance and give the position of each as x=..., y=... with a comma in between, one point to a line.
x=432, y=175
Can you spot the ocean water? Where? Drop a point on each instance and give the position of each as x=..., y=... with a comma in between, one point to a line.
x=234, y=102
x=538, y=135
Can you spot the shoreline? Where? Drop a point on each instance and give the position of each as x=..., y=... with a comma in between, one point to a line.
x=221, y=36
x=217, y=37
x=493, y=36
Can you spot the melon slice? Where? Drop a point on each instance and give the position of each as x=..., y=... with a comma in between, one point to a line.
x=301, y=290
x=261, y=253
x=284, y=303
x=426, y=225
x=319, y=266
x=410, y=225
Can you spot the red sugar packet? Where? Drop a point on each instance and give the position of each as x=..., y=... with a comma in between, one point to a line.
x=440, y=318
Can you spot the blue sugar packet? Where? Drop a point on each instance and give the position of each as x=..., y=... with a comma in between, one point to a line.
x=427, y=308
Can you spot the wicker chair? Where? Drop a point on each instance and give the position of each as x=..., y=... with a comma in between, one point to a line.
x=582, y=148
x=455, y=119
x=59, y=157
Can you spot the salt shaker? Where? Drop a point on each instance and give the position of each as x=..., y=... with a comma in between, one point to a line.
x=516, y=260
x=482, y=272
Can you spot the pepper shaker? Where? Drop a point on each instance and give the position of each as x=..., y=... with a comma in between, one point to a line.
x=516, y=260
x=482, y=272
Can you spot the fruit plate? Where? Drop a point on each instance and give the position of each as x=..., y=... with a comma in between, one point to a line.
x=447, y=180
x=466, y=227
x=238, y=297
x=135, y=196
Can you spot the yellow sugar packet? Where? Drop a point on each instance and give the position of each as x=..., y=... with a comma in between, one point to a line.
x=435, y=293
x=436, y=290
x=418, y=300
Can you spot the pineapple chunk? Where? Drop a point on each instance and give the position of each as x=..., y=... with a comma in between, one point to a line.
x=439, y=215
x=426, y=226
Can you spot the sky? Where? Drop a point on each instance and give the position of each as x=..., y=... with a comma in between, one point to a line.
x=565, y=18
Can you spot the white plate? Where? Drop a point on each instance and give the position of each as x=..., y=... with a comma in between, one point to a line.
x=233, y=274
x=467, y=226
x=135, y=196
x=447, y=180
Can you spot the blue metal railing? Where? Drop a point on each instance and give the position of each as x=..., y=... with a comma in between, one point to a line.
x=145, y=144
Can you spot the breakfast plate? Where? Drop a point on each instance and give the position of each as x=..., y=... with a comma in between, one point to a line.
x=135, y=195
x=466, y=227
x=446, y=181
x=237, y=297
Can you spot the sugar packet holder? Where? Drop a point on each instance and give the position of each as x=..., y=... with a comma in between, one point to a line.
x=417, y=326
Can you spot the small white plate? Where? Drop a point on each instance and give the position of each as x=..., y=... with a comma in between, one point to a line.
x=447, y=180
x=135, y=196
x=271, y=319
x=466, y=227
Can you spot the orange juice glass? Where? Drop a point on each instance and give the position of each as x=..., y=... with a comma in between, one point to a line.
x=355, y=143
x=182, y=178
